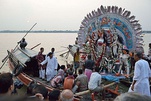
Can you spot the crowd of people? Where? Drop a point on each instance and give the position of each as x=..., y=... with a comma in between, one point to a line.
x=73, y=78
x=79, y=78
x=34, y=92
x=37, y=92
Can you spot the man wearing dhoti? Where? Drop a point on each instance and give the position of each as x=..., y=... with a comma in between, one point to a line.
x=141, y=76
x=51, y=67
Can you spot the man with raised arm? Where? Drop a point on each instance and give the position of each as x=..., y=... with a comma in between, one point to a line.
x=51, y=67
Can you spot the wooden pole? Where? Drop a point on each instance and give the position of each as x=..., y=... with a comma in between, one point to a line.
x=5, y=59
x=64, y=53
x=88, y=91
x=35, y=46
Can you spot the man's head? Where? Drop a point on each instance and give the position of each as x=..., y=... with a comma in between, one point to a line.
x=70, y=73
x=80, y=71
x=66, y=95
x=40, y=89
x=62, y=67
x=6, y=83
x=137, y=56
x=50, y=55
x=52, y=50
x=68, y=65
x=149, y=45
x=89, y=56
x=42, y=49
x=23, y=39
x=125, y=50
x=132, y=96
x=54, y=95
x=97, y=69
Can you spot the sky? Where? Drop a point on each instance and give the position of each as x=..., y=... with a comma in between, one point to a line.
x=63, y=14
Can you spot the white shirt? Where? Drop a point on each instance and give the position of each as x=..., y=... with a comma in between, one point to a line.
x=141, y=75
x=95, y=80
x=52, y=64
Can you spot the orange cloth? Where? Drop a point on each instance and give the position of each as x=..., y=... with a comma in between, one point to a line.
x=68, y=83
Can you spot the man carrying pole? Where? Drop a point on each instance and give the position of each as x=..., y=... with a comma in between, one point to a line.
x=5, y=59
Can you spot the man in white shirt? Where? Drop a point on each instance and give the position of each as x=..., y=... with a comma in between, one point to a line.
x=95, y=81
x=51, y=67
x=141, y=77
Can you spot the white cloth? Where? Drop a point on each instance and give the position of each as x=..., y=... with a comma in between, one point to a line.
x=100, y=44
x=95, y=81
x=114, y=45
x=124, y=59
x=56, y=81
x=52, y=64
x=42, y=73
x=141, y=75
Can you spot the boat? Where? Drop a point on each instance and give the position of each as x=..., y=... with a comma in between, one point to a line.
x=29, y=65
x=26, y=58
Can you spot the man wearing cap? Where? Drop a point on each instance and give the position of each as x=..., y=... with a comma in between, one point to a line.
x=124, y=59
x=51, y=67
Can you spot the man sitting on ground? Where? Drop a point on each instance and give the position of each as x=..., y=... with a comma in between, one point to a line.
x=58, y=79
x=95, y=81
x=69, y=81
x=83, y=82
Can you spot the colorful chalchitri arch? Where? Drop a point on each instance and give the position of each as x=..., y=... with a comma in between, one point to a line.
x=111, y=21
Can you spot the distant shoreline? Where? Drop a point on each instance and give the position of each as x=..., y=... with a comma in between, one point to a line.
x=54, y=31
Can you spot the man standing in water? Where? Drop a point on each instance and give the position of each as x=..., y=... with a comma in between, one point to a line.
x=142, y=73
x=51, y=67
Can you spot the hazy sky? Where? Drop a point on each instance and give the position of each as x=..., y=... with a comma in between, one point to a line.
x=63, y=14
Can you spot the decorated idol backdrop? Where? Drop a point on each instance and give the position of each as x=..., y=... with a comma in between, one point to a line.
x=111, y=28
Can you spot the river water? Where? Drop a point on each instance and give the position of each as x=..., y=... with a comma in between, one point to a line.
x=59, y=41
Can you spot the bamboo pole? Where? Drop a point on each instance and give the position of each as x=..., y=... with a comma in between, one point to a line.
x=5, y=59
x=88, y=91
